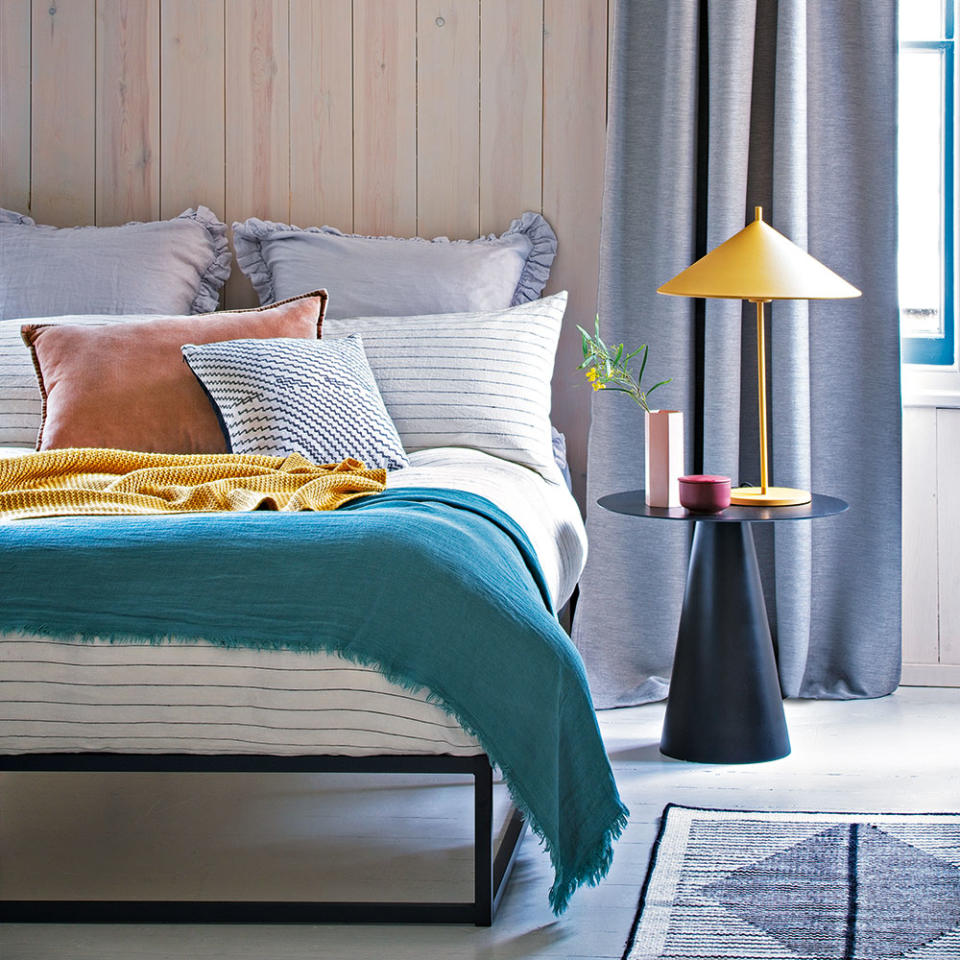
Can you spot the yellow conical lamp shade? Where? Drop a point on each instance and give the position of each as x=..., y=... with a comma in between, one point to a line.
x=759, y=263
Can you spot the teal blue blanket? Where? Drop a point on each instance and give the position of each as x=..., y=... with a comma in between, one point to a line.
x=435, y=588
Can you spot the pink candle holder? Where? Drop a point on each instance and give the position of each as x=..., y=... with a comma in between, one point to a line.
x=705, y=492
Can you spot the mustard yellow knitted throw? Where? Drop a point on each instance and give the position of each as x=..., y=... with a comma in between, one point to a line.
x=56, y=483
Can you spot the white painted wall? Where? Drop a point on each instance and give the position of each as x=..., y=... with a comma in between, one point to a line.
x=931, y=546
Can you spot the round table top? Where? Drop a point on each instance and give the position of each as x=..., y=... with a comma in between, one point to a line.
x=633, y=503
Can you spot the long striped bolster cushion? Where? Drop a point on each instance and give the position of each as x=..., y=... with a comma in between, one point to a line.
x=479, y=380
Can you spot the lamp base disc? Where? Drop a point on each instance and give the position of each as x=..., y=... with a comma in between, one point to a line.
x=774, y=497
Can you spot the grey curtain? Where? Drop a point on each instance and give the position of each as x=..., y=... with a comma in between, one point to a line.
x=716, y=106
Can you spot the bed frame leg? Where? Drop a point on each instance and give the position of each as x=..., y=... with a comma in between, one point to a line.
x=483, y=843
x=490, y=872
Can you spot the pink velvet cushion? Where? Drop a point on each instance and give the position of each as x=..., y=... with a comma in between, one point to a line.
x=126, y=386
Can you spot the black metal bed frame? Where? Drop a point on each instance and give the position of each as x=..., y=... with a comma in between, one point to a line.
x=490, y=872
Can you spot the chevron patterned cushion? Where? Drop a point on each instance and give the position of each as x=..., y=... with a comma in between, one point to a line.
x=312, y=397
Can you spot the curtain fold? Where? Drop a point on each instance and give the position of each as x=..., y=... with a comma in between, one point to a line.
x=715, y=106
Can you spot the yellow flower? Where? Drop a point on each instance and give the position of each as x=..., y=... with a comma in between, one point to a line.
x=599, y=386
x=592, y=374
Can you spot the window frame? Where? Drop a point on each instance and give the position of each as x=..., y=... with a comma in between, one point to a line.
x=939, y=354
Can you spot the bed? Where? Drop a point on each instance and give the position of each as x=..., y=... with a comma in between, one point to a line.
x=72, y=704
x=62, y=697
x=413, y=629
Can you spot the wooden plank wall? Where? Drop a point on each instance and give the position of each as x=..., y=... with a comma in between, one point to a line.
x=429, y=117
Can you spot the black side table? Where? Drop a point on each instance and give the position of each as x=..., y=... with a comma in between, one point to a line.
x=725, y=704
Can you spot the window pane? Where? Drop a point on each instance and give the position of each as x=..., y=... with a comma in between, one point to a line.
x=921, y=19
x=921, y=197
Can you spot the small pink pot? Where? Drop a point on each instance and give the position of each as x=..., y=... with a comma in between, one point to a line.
x=705, y=493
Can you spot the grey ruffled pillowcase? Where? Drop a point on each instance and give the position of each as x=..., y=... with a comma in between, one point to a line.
x=378, y=276
x=171, y=267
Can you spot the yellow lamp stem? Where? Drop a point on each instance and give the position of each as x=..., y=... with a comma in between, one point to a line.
x=764, y=496
x=762, y=393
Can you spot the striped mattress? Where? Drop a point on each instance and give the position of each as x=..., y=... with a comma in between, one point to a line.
x=59, y=696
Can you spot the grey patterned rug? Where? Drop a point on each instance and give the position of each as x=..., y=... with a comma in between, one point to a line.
x=740, y=885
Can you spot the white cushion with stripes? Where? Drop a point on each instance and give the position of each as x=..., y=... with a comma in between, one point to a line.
x=20, y=401
x=479, y=380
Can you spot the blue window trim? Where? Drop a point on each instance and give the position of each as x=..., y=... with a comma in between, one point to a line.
x=940, y=351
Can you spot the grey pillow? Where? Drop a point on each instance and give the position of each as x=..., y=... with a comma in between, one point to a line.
x=387, y=276
x=171, y=267
x=312, y=397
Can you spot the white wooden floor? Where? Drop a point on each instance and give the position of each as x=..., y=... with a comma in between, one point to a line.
x=250, y=836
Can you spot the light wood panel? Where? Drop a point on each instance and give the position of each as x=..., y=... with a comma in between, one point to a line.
x=128, y=111
x=321, y=112
x=385, y=117
x=63, y=124
x=403, y=117
x=15, y=105
x=257, y=120
x=448, y=126
x=511, y=110
x=920, y=626
x=574, y=121
x=257, y=109
x=192, y=95
x=948, y=539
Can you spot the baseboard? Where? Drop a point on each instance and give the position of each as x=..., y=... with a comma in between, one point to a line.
x=930, y=675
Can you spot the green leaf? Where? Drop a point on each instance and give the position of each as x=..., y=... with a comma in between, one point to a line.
x=613, y=365
x=585, y=342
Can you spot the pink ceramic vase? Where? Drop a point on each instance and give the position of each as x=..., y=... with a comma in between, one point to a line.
x=664, y=457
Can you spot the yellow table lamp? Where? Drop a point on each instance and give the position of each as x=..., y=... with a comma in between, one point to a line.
x=760, y=264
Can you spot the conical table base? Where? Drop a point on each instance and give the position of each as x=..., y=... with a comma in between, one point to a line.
x=725, y=704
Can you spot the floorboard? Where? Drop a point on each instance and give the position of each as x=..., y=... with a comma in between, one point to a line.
x=340, y=836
